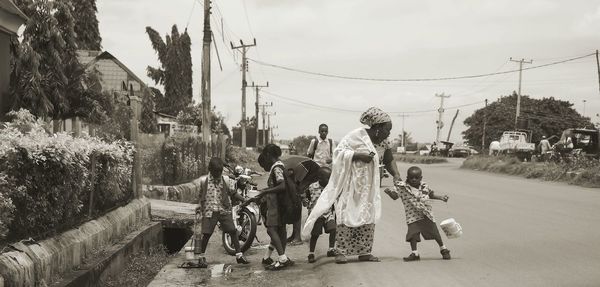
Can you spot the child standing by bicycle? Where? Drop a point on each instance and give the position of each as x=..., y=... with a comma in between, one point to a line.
x=271, y=209
x=215, y=207
x=324, y=223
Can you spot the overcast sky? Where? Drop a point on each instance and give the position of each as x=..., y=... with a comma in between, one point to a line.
x=372, y=39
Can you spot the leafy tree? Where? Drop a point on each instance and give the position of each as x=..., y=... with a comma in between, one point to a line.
x=148, y=121
x=192, y=115
x=547, y=116
x=301, y=144
x=47, y=77
x=39, y=75
x=175, y=71
x=86, y=24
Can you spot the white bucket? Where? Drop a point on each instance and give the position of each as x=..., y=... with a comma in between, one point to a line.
x=451, y=228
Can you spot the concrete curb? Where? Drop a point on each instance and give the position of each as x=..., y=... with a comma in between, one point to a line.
x=38, y=263
x=115, y=259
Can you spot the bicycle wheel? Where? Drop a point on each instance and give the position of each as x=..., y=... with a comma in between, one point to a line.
x=246, y=230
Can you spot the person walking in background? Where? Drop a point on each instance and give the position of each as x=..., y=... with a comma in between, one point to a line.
x=321, y=148
x=354, y=188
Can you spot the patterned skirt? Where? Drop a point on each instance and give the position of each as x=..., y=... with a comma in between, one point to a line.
x=355, y=240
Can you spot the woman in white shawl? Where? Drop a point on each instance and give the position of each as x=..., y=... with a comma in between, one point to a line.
x=354, y=188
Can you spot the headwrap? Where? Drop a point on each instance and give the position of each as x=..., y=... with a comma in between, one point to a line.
x=374, y=116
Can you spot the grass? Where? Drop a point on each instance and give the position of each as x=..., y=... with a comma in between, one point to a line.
x=584, y=173
x=419, y=159
x=141, y=269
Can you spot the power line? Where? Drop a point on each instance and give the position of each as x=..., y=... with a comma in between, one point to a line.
x=330, y=108
x=252, y=34
x=191, y=13
x=412, y=79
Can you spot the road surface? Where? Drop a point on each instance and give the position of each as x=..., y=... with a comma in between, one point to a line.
x=517, y=232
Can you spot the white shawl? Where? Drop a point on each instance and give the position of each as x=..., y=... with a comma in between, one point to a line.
x=353, y=186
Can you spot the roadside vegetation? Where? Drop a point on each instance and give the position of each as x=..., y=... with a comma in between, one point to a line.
x=419, y=159
x=583, y=172
x=141, y=269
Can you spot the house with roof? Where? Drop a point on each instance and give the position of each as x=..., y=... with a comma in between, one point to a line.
x=11, y=18
x=115, y=78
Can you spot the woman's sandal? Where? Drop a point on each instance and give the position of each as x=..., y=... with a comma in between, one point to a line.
x=369, y=258
x=341, y=259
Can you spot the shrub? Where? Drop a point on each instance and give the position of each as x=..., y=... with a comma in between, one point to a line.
x=419, y=159
x=585, y=172
x=246, y=158
x=48, y=181
x=179, y=159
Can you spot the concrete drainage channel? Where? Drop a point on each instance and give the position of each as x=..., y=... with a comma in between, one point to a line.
x=175, y=238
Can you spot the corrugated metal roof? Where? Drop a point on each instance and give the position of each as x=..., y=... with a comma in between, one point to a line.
x=10, y=7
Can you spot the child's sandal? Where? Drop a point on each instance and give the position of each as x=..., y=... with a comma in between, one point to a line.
x=369, y=258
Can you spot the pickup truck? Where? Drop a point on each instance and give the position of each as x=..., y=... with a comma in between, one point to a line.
x=517, y=143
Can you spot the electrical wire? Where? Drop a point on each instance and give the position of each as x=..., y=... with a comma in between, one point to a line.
x=413, y=79
x=330, y=108
x=191, y=13
x=254, y=37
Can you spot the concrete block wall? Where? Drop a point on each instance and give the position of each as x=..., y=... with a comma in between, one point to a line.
x=38, y=263
x=187, y=192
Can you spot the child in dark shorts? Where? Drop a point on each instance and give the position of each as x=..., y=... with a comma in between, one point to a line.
x=324, y=223
x=215, y=206
x=419, y=215
x=276, y=228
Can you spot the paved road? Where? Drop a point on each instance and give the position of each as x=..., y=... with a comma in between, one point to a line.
x=517, y=232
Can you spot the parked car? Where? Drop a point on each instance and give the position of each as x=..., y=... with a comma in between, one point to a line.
x=459, y=150
x=517, y=143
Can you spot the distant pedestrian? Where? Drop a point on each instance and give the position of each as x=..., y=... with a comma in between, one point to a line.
x=544, y=145
x=324, y=223
x=321, y=147
x=215, y=207
x=494, y=148
x=415, y=196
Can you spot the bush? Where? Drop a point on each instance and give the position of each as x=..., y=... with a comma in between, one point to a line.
x=246, y=158
x=419, y=159
x=585, y=172
x=178, y=160
x=48, y=181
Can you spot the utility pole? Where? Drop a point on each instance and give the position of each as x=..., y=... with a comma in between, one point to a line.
x=484, y=126
x=439, y=122
x=205, y=87
x=257, y=87
x=269, y=125
x=521, y=62
x=244, y=49
x=264, y=116
x=452, y=125
x=402, y=138
x=584, y=101
x=598, y=65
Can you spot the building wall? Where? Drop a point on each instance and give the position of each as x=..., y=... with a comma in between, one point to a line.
x=113, y=76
